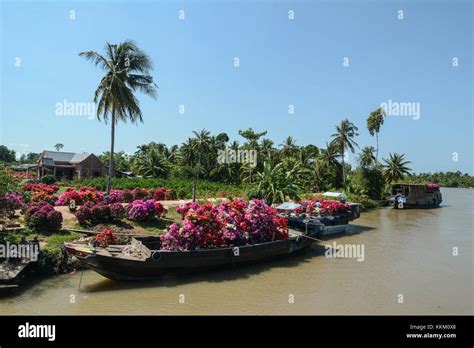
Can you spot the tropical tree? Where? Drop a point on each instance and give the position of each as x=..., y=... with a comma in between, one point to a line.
x=374, y=122
x=252, y=142
x=395, y=167
x=367, y=158
x=289, y=147
x=122, y=161
x=152, y=163
x=58, y=146
x=276, y=184
x=343, y=140
x=126, y=71
x=7, y=155
x=201, y=145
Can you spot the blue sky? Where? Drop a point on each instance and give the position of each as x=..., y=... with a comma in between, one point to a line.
x=282, y=62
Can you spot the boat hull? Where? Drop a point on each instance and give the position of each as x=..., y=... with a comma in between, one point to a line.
x=163, y=263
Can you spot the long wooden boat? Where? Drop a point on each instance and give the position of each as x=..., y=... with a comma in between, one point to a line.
x=334, y=224
x=142, y=259
x=415, y=196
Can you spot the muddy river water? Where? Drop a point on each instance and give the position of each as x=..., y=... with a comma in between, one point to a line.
x=414, y=262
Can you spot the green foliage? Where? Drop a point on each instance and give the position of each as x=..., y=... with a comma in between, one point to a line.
x=48, y=179
x=7, y=155
x=367, y=181
x=277, y=183
x=179, y=188
x=447, y=179
x=8, y=183
x=395, y=168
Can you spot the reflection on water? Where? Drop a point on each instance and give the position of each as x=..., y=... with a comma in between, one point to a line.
x=407, y=252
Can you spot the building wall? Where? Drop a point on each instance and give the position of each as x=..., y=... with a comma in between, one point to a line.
x=91, y=167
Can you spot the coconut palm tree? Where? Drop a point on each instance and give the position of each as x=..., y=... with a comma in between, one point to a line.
x=201, y=145
x=58, y=146
x=152, y=163
x=126, y=71
x=395, y=167
x=374, y=122
x=367, y=158
x=289, y=146
x=343, y=139
x=267, y=150
x=252, y=143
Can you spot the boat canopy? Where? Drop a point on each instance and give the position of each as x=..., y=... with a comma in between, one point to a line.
x=334, y=194
x=288, y=206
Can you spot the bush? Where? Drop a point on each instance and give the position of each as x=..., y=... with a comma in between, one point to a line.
x=182, y=187
x=141, y=210
x=85, y=194
x=127, y=196
x=10, y=202
x=370, y=180
x=159, y=194
x=48, y=179
x=253, y=193
x=92, y=213
x=41, y=216
x=37, y=192
x=117, y=211
x=139, y=194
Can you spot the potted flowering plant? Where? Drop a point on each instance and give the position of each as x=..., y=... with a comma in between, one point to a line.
x=105, y=238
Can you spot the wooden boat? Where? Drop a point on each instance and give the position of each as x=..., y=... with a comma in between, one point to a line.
x=11, y=271
x=142, y=259
x=334, y=224
x=415, y=196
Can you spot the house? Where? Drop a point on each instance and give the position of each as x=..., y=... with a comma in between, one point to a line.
x=70, y=165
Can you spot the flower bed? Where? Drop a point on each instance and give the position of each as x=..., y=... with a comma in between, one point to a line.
x=85, y=194
x=322, y=207
x=40, y=192
x=41, y=216
x=432, y=186
x=127, y=196
x=141, y=210
x=94, y=213
x=183, y=208
x=231, y=223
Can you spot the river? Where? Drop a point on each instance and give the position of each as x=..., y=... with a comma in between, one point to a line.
x=408, y=255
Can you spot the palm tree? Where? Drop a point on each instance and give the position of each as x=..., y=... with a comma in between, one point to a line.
x=289, y=146
x=395, y=167
x=58, y=146
x=267, y=150
x=252, y=143
x=327, y=158
x=344, y=139
x=126, y=69
x=152, y=163
x=367, y=158
x=201, y=145
x=374, y=122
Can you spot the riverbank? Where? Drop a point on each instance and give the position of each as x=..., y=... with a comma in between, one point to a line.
x=407, y=252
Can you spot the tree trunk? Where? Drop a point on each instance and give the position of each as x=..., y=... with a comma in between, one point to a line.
x=377, y=152
x=343, y=174
x=194, y=191
x=111, y=155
